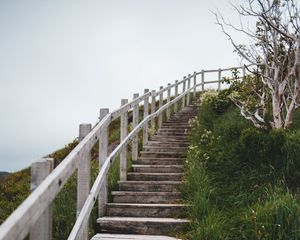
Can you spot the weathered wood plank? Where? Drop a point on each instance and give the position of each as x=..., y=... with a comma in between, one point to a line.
x=130, y=237
x=168, y=112
x=42, y=230
x=84, y=176
x=135, y=122
x=160, y=117
x=123, y=135
x=146, y=113
x=103, y=153
x=153, y=102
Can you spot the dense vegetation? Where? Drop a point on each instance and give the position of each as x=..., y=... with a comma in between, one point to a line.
x=242, y=182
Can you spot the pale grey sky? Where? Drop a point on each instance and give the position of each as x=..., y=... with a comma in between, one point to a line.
x=61, y=60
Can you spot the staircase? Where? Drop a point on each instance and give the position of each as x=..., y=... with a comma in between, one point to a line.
x=149, y=203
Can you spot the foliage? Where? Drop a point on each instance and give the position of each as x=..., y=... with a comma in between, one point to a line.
x=241, y=180
x=13, y=191
x=60, y=154
x=269, y=97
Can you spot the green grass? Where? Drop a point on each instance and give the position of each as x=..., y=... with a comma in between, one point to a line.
x=241, y=182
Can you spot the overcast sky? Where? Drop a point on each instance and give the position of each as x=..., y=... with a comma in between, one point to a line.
x=62, y=60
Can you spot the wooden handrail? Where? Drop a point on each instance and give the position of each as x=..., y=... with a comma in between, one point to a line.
x=19, y=223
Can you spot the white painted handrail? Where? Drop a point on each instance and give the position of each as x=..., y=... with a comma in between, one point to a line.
x=23, y=219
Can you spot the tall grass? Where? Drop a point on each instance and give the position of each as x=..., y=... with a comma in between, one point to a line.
x=241, y=182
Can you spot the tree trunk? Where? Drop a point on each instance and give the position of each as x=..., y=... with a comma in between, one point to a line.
x=276, y=110
x=293, y=106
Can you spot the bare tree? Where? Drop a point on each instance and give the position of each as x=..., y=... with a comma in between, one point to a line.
x=275, y=50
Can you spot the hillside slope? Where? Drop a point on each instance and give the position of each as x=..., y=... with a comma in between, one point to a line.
x=242, y=182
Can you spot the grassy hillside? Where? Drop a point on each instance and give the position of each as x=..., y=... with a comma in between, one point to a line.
x=242, y=182
x=3, y=175
x=16, y=187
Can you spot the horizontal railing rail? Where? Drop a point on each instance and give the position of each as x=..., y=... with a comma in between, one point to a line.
x=24, y=219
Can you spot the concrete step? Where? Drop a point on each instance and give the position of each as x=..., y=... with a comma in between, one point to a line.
x=107, y=236
x=174, y=134
x=140, y=176
x=157, y=168
x=170, y=138
x=173, y=130
x=161, y=154
x=177, y=123
x=145, y=197
x=159, y=148
x=149, y=186
x=168, y=144
x=136, y=225
x=146, y=210
x=159, y=161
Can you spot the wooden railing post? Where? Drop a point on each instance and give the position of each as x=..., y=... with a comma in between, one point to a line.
x=123, y=135
x=195, y=83
x=175, y=95
x=183, y=90
x=189, y=86
x=135, y=122
x=83, y=176
x=42, y=230
x=168, y=112
x=202, y=80
x=153, y=102
x=103, y=153
x=219, y=78
x=146, y=113
x=160, y=117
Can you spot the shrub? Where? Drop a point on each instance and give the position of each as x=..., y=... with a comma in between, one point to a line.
x=232, y=174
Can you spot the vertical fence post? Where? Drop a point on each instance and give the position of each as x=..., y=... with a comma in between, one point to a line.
x=83, y=176
x=160, y=117
x=189, y=86
x=168, y=112
x=195, y=83
x=123, y=135
x=183, y=90
x=202, y=80
x=103, y=153
x=175, y=95
x=135, y=122
x=42, y=230
x=153, y=102
x=219, y=78
x=146, y=112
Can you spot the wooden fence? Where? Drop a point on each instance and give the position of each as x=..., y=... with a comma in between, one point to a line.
x=34, y=215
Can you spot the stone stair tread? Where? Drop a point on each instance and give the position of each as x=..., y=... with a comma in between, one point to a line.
x=154, y=152
x=151, y=182
x=154, y=174
x=128, y=193
x=143, y=219
x=147, y=205
x=155, y=166
x=105, y=236
x=162, y=147
x=161, y=158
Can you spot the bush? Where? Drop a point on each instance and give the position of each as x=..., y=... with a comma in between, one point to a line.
x=233, y=168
